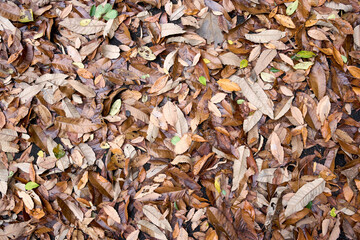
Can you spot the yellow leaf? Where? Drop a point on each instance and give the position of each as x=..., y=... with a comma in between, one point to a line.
x=85, y=22
x=228, y=85
x=230, y=42
x=26, y=15
x=206, y=61
x=285, y=21
x=217, y=183
x=40, y=153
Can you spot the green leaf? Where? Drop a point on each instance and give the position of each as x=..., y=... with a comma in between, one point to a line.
x=309, y=205
x=332, y=212
x=274, y=70
x=240, y=101
x=292, y=7
x=111, y=15
x=303, y=65
x=176, y=207
x=59, y=151
x=31, y=185
x=223, y=192
x=344, y=58
x=305, y=54
x=175, y=140
x=244, y=63
x=202, y=80
x=107, y=7
x=115, y=108
x=92, y=10
x=100, y=10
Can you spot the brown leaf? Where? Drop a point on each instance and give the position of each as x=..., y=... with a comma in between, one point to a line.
x=76, y=125
x=101, y=184
x=285, y=21
x=159, y=84
x=228, y=85
x=317, y=80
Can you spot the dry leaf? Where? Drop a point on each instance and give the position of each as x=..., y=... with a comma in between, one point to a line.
x=228, y=85
x=284, y=20
x=304, y=195
x=255, y=94
x=73, y=24
x=265, y=36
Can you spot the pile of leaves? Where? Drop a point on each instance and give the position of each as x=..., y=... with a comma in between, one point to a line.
x=188, y=119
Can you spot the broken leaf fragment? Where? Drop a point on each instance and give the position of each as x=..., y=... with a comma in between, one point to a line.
x=31, y=185
x=202, y=80
x=115, y=108
x=59, y=151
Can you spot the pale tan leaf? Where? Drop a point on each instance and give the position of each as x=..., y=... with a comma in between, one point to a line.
x=255, y=53
x=138, y=114
x=29, y=92
x=74, y=54
x=317, y=34
x=218, y=97
x=297, y=115
x=252, y=120
x=184, y=144
x=240, y=166
x=210, y=30
x=112, y=213
x=264, y=60
x=357, y=36
x=8, y=135
x=304, y=195
x=75, y=210
x=283, y=107
x=13, y=231
x=69, y=108
x=9, y=147
x=155, y=216
x=110, y=28
x=110, y=51
x=88, y=153
x=170, y=113
x=82, y=88
x=73, y=24
x=151, y=229
x=265, y=36
x=284, y=20
x=230, y=58
x=276, y=149
x=181, y=125
x=323, y=108
x=335, y=233
x=168, y=29
x=170, y=59
x=256, y=95
x=29, y=203
x=183, y=235
x=286, y=59
x=133, y=236
x=57, y=79
x=213, y=108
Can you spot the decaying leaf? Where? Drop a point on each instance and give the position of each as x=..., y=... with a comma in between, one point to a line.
x=73, y=24
x=209, y=29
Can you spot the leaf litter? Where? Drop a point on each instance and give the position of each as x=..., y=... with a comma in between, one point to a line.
x=179, y=120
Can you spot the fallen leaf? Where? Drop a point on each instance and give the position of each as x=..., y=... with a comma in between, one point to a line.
x=228, y=85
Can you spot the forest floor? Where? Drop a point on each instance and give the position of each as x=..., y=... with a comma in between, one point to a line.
x=188, y=119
